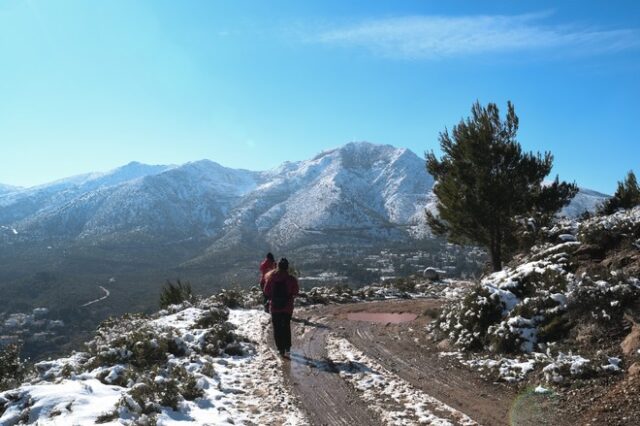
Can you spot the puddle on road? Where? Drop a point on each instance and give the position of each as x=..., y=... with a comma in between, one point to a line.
x=393, y=318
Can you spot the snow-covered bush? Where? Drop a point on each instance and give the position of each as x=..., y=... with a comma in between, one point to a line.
x=161, y=388
x=603, y=299
x=609, y=231
x=568, y=295
x=465, y=322
x=212, y=315
x=506, y=310
x=231, y=298
x=132, y=341
x=540, y=299
x=566, y=366
x=216, y=339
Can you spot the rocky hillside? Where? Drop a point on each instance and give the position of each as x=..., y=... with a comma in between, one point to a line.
x=567, y=312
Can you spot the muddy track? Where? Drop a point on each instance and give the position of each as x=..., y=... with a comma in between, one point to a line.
x=324, y=396
x=488, y=405
x=400, y=348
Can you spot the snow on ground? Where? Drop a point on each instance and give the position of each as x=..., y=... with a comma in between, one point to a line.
x=243, y=390
x=69, y=402
x=248, y=389
x=396, y=401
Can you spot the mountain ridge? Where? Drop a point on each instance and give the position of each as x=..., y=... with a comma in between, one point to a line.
x=357, y=193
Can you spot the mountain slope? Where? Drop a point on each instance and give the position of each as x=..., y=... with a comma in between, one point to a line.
x=179, y=202
x=358, y=193
x=22, y=204
x=4, y=189
x=585, y=200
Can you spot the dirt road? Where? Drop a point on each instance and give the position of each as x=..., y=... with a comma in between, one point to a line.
x=399, y=354
x=107, y=293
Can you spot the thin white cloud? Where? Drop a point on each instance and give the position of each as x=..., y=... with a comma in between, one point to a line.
x=432, y=37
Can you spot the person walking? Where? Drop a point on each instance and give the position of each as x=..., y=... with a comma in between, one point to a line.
x=266, y=266
x=281, y=288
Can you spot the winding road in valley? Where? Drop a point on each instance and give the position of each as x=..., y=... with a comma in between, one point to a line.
x=107, y=293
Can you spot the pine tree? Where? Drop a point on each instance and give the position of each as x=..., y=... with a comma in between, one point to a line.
x=627, y=196
x=484, y=183
x=173, y=294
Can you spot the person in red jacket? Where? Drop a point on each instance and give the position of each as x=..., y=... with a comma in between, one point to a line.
x=281, y=288
x=267, y=265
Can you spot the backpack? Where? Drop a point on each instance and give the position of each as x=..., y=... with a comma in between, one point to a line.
x=280, y=294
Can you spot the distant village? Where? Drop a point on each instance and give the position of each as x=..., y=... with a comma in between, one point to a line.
x=33, y=328
x=451, y=261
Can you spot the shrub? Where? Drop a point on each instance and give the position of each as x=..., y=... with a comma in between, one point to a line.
x=609, y=231
x=107, y=417
x=466, y=322
x=174, y=294
x=12, y=367
x=231, y=298
x=131, y=340
x=513, y=335
x=188, y=385
x=161, y=388
x=212, y=316
x=216, y=338
x=627, y=196
x=407, y=285
x=555, y=329
x=601, y=299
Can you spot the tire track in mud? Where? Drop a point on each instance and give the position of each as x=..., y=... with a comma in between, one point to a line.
x=397, y=401
x=325, y=396
x=433, y=376
x=395, y=348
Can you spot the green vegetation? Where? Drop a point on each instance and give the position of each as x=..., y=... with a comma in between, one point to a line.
x=485, y=183
x=12, y=368
x=627, y=196
x=174, y=294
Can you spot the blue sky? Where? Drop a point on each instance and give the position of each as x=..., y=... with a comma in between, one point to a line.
x=88, y=86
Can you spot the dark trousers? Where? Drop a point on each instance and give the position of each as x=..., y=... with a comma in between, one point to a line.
x=282, y=330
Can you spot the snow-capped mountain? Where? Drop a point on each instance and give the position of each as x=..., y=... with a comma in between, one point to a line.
x=585, y=200
x=156, y=203
x=21, y=204
x=8, y=188
x=358, y=192
x=361, y=190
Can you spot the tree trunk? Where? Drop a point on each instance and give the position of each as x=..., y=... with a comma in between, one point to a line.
x=496, y=254
x=496, y=261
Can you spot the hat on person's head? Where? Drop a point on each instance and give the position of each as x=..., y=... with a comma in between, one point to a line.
x=283, y=264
